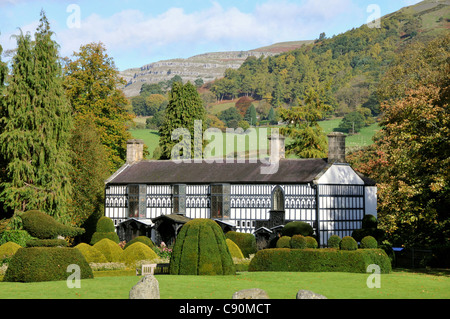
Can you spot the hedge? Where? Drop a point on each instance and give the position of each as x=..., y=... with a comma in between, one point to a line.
x=246, y=242
x=142, y=239
x=137, y=252
x=298, y=242
x=92, y=254
x=105, y=229
x=110, y=250
x=40, y=264
x=284, y=242
x=234, y=249
x=319, y=260
x=297, y=228
x=8, y=250
x=43, y=226
x=201, y=249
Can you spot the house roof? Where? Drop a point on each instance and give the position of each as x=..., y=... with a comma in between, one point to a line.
x=290, y=171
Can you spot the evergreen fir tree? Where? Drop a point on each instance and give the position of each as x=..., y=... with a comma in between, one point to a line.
x=185, y=106
x=37, y=122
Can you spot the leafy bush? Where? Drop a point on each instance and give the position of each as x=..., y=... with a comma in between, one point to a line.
x=43, y=226
x=284, y=242
x=246, y=242
x=298, y=242
x=369, y=221
x=334, y=241
x=110, y=250
x=311, y=242
x=92, y=254
x=8, y=250
x=297, y=228
x=234, y=249
x=19, y=237
x=201, y=249
x=141, y=239
x=369, y=242
x=137, y=252
x=348, y=243
x=39, y=264
x=47, y=243
x=319, y=260
x=105, y=229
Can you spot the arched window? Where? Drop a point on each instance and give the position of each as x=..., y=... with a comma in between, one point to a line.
x=278, y=199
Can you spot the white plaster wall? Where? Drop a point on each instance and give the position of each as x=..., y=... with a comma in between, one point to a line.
x=340, y=174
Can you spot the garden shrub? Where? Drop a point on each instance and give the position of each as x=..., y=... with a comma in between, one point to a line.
x=105, y=229
x=39, y=264
x=234, y=249
x=334, y=241
x=246, y=242
x=297, y=228
x=92, y=254
x=348, y=243
x=369, y=242
x=369, y=228
x=110, y=249
x=141, y=239
x=311, y=242
x=19, y=237
x=47, y=243
x=201, y=249
x=298, y=242
x=43, y=226
x=284, y=242
x=8, y=250
x=137, y=252
x=319, y=260
x=369, y=221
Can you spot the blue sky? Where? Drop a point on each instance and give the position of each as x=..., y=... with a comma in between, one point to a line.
x=140, y=32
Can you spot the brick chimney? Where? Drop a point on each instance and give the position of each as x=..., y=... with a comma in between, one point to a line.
x=277, y=142
x=336, y=147
x=135, y=151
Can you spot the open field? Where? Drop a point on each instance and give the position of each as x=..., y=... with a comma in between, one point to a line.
x=396, y=285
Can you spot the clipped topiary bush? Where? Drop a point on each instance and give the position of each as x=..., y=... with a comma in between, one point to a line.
x=298, y=242
x=8, y=249
x=43, y=226
x=141, y=239
x=369, y=221
x=348, y=243
x=47, y=243
x=334, y=241
x=110, y=249
x=234, y=249
x=105, y=229
x=39, y=264
x=311, y=242
x=369, y=242
x=201, y=249
x=92, y=254
x=246, y=242
x=297, y=228
x=138, y=252
x=284, y=242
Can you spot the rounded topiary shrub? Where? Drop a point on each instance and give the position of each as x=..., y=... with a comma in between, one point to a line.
x=105, y=229
x=92, y=254
x=110, y=249
x=246, y=242
x=298, y=242
x=234, y=249
x=8, y=250
x=348, y=243
x=284, y=242
x=334, y=241
x=201, y=249
x=297, y=228
x=369, y=242
x=369, y=221
x=39, y=264
x=311, y=242
x=43, y=226
x=138, y=252
x=142, y=239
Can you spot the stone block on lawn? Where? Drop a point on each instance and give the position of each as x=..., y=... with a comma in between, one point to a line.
x=254, y=293
x=307, y=294
x=146, y=288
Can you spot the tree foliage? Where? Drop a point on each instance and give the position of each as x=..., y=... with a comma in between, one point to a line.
x=36, y=122
x=91, y=83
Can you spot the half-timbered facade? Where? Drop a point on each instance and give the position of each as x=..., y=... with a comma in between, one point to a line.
x=327, y=193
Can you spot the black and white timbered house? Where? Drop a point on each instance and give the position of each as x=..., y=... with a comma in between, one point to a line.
x=155, y=198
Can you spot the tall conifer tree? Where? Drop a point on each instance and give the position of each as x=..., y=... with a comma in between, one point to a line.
x=37, y=122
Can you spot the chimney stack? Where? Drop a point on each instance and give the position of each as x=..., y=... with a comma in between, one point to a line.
x=336, y=147
x=135, y=151
x=277, y=142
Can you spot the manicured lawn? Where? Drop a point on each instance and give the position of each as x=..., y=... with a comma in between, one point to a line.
x=397, y=285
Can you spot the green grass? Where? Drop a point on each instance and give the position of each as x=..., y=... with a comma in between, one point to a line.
x=397, y=285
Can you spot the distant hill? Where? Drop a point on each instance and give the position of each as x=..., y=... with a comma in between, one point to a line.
x=208, y=66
